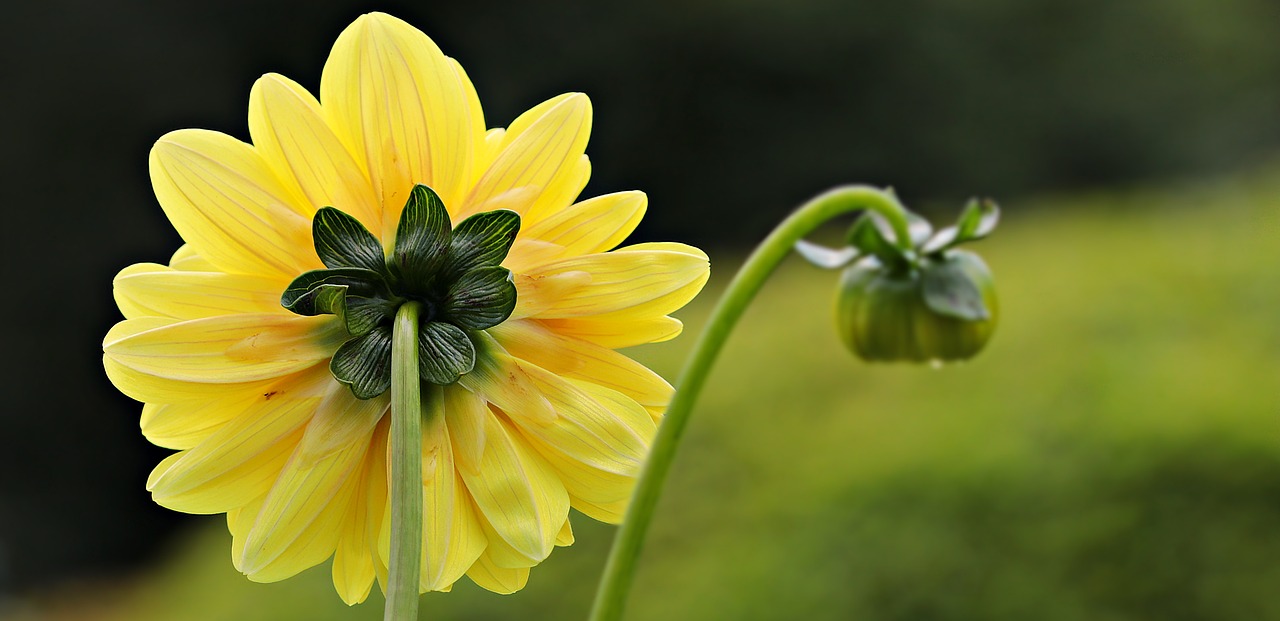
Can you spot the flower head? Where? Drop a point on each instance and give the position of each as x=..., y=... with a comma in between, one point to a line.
x=386, y=189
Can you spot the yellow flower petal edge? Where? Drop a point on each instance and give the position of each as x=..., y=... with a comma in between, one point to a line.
x=552, y=417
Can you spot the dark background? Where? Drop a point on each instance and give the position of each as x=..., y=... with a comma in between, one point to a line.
x=727, y=112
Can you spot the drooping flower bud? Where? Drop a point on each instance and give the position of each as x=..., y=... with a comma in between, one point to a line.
x=908, y=294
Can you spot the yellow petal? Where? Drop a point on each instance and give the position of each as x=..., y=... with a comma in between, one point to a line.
x=591, y=226
x=565, y=536
x=227, y=204
x=595, y=426
x=517, y=492
x=500, y=580
x=240, y=460
x=185, y=424
x=617, y=333
x=300, y=522
x=533, y=342
x=542, y=152
x=186, y=259
x=230, y=348
x=465, y=414
x=147, y=289
x=451, y=534
x=406, y=111
x=355, y=562
x=502, y=381
x=341, y=420
x=632, y=283
x=151, y=389
x=536, y=294
x=289, y=130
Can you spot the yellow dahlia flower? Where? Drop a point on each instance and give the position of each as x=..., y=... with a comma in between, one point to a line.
x=280, y=426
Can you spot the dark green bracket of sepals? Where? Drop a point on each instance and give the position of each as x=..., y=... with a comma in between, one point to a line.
x=455, y=274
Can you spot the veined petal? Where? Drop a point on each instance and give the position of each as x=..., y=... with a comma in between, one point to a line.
x=465, y=414
x=517, y=492
x=591, y=226
x=298, y=525
x=239, y=461
x=289, y=130
x=595, y=426
x=569, y=357
x=341, y=420
x=542, y=151
x=185, y=424
x=355, y=560
x=152, y=389
x=617, y=333
x=147, y=289
x=186, y=259
x=225, y=201
x=407, y=111
x=502, y=580
x=228, y=349
x=502, y=381
x=632, y=283
x=451, y=534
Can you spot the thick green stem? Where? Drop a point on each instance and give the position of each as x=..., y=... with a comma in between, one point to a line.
x=406, y=469
x=620, y=568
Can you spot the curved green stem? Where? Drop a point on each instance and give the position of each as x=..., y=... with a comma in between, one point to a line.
x=620, y=568
x=403, y=569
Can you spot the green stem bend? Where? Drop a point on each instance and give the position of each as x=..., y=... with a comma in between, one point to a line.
x=619, y=570
x=404, y=568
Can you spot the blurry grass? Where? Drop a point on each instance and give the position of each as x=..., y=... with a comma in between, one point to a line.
x=1115, y=454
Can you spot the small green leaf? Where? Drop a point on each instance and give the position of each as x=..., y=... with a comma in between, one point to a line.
x=445, y=353
x=422, y=237
x=977, y=221
x=949, y=291
x=364, y=363
x=871, y=235
x=824, y=257
x=312, y=293
x=341, y=241
x=482, y=240
x=481, y=298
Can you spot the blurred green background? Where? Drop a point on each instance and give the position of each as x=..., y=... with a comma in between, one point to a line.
x=1114, y=455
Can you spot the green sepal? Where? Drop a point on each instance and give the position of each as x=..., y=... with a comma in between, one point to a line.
x=481, y=298
x=871, y=235
x=320, y=292
x=341, y=241
x=824, y=257
x=977, y=221
x=364, y=363
x=422, y=238
x=948, y=290
x=445, y=353
x=482, y=240
x=363, y=314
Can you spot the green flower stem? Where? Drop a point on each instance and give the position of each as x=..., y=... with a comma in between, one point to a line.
x=406, y=468
x=619, y=571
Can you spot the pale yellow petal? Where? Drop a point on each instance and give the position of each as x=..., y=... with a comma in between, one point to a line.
x=240, y=460
x=565, y=536
x=147, y=289
x=230, y=348
x=152, y=389
x=500, y=379
x=633, y=283
x=289, y=130
x=465, y=414
x=185, y=424
x=595, y=426
x=591, y=226
x=542, y=154
x=300, y=522
x=452, y=537
x=227, y=204
x=406, y=110
x=186, y=259
x=341, y=420
x=355, y=562
x=534, y=342
x=617, y=333
x=536, y=294
x=517, y=493
x=500, y=580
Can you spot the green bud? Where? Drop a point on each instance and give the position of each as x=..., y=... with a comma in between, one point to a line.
x=942, y=309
